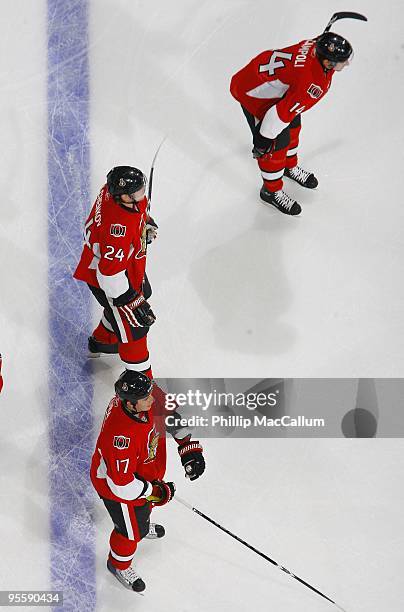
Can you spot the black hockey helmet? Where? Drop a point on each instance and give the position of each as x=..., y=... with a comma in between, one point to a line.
x=125, y=179
x=133, y=386
x=333, y=47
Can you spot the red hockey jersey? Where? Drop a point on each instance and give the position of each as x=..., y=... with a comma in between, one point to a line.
x=278, y=85
x=114, y=252
x=128, y=455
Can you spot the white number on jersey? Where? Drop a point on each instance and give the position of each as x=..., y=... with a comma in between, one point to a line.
x=118, y=468
x=295, y=108
x=110, y=254
x=273, y=64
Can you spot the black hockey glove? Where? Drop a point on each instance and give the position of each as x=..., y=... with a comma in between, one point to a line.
x=151, y=230
x=137, y=310
x=162, y=493
x=262, y=145
x=192, y=458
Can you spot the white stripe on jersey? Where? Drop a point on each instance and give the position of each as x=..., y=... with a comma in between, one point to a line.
x=114, y=285
x=130, y=491
x=269, y=90
x=272, y=125
x=97, y=256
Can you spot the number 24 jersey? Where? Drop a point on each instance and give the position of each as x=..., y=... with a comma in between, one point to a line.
x=114, y=251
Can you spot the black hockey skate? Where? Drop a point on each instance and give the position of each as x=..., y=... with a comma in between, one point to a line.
x=129, y=578
x=155, y=531
x=96, y=348
x=302, y=177
x=281, y=201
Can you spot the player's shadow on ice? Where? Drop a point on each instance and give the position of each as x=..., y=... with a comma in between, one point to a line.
x=313, y=153
x=243, y=285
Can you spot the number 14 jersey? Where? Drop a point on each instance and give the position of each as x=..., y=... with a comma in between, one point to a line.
x=277, y=85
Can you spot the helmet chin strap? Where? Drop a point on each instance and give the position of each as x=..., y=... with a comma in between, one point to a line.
x=125, y=403
x=321, y=60
x=327, y=69
x=132, y=205
x=132, y=412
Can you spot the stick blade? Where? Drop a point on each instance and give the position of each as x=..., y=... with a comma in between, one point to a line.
x=349, y=15
x=344, y=15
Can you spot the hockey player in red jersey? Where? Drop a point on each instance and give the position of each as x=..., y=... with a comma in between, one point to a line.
x=113, y=263
x=274, y=89
x=128, y=467
x=1, y=378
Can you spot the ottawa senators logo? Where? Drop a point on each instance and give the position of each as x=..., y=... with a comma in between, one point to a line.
x=121, y=442
x=117, y=230
x=152, y=445
x=315, y=91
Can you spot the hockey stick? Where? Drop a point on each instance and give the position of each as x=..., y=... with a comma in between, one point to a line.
x=344, y=15
x=261, y=554
x=149, y=193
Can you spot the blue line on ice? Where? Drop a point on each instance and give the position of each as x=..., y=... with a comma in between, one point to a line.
x=72, y=563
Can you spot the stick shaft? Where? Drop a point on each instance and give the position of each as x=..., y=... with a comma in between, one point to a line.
x=258, y=552
x=149, y=193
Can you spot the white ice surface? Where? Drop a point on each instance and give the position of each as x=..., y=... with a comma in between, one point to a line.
x=328, y=510
x=239, y=290
x=24, y=559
